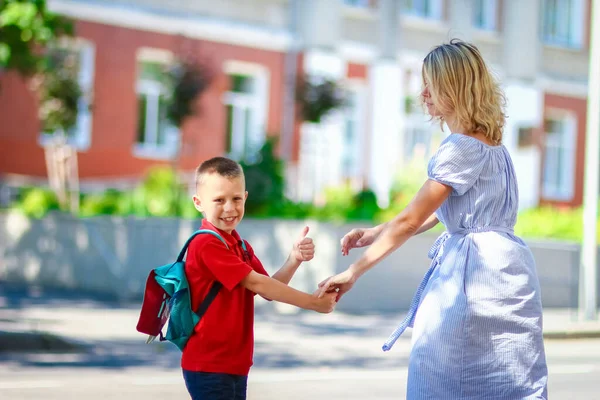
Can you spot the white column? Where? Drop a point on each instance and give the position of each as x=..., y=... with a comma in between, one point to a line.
x=318, y=25
x=525, y=108
x=589, y=251
x=461, y=19
x=386, y=146
x=521, y=50
x=521, y=39
x=385, y=142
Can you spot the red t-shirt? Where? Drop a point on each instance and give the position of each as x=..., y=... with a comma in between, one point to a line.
x=223, y=340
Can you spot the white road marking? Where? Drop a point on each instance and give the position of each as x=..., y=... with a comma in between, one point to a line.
x=572, y=369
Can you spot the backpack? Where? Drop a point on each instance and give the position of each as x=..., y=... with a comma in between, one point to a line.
x=167, y=298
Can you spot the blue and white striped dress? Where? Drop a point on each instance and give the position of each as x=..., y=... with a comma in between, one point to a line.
x=477, y=317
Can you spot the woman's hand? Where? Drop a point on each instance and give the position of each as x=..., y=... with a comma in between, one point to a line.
x=357, y=238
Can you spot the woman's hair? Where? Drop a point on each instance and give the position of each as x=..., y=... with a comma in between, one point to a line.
x=463, y=86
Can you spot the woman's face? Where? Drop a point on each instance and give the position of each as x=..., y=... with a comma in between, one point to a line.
x=430, y=101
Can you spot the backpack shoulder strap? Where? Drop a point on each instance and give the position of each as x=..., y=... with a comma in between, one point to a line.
x=198, y=232
x=216, y=286
x=212, y=293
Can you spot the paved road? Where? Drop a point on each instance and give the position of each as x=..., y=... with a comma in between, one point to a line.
x=297, y=357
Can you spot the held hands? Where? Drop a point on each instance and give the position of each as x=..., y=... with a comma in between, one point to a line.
x=356, y=238
x=337, y=285
x=324, y=303
x=304, y=248
x=343, y=282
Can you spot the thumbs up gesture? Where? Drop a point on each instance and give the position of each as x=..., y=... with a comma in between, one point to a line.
x=304, y=248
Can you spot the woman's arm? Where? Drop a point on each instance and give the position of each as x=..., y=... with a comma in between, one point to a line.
x=397, y=231
x=428, y=224
x=406, y=224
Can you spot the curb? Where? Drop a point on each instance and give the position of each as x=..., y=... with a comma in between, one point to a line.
x=574, y=334
x=23, y=342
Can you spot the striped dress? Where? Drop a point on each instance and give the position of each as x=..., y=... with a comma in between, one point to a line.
x=477, y=316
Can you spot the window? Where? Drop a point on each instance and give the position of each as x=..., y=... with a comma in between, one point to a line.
x=559, y=161
x=352, y=135
x=485, y=14
x=246, y=105
x=525, y=137
x=358, y=3
x=563, y=23
x=80, y=52
x=428, y=9
x=156, y=136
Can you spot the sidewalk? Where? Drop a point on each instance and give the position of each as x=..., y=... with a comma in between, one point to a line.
x=71, y=324
x=565, y=324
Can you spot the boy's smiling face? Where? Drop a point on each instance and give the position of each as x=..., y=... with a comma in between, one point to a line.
x=221, y=200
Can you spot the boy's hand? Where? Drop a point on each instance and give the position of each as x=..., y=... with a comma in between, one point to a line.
x=326, y=303
x=304, y=248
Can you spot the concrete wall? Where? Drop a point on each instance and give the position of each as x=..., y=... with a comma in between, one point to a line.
x=114, y=256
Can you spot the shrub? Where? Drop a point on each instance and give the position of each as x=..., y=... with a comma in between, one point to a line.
x=37, y=202
x=111, y=202
x=551, y=223
x=265, y=181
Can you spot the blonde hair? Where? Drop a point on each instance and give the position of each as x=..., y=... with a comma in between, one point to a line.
x=463, y=86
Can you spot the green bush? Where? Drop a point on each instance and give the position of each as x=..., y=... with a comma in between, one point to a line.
x=186, y=208
x=265, y=181
x=552, y=223
x=36, y=202
x=111, y=202
x=160, y=192
x=160, y=195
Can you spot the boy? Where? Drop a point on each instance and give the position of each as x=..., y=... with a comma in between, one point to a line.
x=218, y=356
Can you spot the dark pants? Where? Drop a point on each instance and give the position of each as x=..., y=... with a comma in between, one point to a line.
x=213, y=386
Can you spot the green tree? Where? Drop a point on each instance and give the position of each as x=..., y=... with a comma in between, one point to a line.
x=26, y=26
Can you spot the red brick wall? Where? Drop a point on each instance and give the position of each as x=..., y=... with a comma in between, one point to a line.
x=578, y=107
x=19, y=127
x=298, y=120
x=357, y=71
x=115, y=107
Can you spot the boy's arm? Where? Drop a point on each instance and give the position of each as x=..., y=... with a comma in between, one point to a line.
x=278, y=291
x=303, y=250
x=287, y=271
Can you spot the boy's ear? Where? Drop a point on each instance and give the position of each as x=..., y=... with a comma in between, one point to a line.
x=245, y=195
x=197, y=203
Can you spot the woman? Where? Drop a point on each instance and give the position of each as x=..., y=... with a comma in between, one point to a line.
x=477, y=316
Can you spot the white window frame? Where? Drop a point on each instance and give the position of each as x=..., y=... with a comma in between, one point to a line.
x=568, y=145
x=246, y=146
x=575, y=26
x=490, y=15
x=436, y=8
x=357, y=115
x=150, y=149
x=81, y=137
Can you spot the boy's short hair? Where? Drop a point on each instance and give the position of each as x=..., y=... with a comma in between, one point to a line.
x=223, y=166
